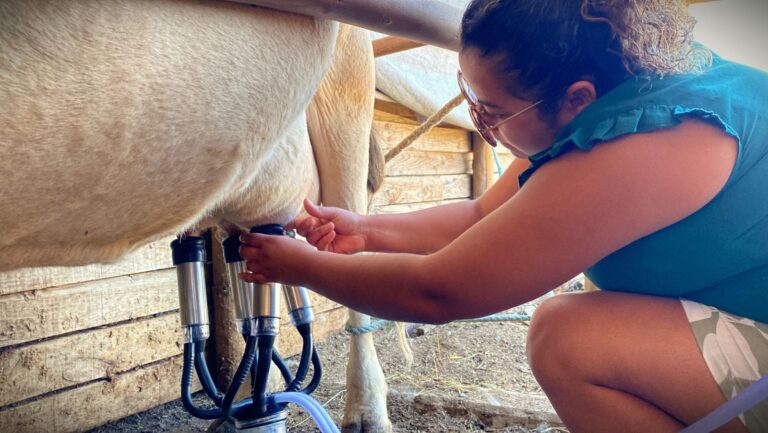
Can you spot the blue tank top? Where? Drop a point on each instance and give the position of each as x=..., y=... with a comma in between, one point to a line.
x=718, y=255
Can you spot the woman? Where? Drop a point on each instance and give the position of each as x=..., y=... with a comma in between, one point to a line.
x=642, y=162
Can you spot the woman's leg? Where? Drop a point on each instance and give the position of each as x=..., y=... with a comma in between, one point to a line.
x=617, y=362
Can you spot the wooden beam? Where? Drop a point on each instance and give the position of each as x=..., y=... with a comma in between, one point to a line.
x=228, y=342
x=392, y=44
x=482, y=166
x=45, y=313
x=439, y=139
x=414, y=162
x=402, y=208
x=429, y=21
x=94, y=404
x=83, y=357
x=417, y=189
x=154, y=256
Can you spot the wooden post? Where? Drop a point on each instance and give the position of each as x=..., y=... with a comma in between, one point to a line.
x=482, y=166
x=229, y=342
x=392, y=44
x=429, y=21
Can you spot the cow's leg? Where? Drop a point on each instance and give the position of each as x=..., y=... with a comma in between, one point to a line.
x=340, y=118
x=366, y=405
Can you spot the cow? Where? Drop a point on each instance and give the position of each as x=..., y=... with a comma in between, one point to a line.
x=125, y=121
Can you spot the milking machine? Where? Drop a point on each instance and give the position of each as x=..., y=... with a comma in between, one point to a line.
x=257, y=310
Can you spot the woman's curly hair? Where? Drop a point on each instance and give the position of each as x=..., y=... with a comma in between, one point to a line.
x=655, y=35
x=546, y=45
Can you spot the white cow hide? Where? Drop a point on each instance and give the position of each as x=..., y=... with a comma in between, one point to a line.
x=125, y=121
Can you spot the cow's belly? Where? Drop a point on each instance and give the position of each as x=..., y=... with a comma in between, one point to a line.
x=271, y=191
x=123, y=121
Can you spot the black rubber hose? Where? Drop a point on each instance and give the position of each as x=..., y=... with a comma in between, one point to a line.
x=317, y=373
x=253, y=365
x=306, y=356
x=266, y=343
x=240, y=375
x=204, y=374
x=284, y=370
x=186, y=387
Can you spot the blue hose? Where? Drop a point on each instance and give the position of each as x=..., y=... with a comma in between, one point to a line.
x=315, y=410
x=282, y=366
x=204, y=374
x=749, y=397
x=306, y=356
x=186, y=386
x=317, y=373
x=240, y=375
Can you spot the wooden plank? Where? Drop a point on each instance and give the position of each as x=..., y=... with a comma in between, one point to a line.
x=227, y=341
x=416, y=189
x=44, y=313
x=60, y=363
x=429, y=163
x=392, y=112
x=482, y=166
x=392, y=44
x=438, y=139
x=402, y=208
x=97, y=403
x=156, y=255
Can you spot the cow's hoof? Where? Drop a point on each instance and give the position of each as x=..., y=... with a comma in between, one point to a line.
x=367, y=426
x=221, y=425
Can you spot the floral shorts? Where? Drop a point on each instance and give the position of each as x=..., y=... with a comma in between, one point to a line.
x=736, y=352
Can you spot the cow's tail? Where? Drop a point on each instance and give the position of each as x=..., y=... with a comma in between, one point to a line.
x=405, y=346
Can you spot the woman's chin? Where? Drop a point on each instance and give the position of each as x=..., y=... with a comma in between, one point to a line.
x=517, y=153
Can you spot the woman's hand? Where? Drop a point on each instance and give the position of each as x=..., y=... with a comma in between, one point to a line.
x=274, y=258
x=330, y=229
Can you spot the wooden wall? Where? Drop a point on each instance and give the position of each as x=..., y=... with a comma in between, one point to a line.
x=446, y=165
x=83, y=346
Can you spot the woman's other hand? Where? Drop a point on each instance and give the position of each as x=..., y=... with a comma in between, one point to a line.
x=274, y=258
x=330, y=229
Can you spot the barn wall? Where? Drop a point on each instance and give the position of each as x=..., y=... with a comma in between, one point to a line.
x=83, y=346
x=446, y=165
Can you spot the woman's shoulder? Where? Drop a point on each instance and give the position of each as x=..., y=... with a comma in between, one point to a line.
x=644, y=105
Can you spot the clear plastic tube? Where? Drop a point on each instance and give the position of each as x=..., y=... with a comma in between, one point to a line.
x=749, y=397
x=316, y=411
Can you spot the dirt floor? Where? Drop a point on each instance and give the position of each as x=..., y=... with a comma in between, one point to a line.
x=466, y=377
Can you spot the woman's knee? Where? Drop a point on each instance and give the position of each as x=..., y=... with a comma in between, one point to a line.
x=557, y=328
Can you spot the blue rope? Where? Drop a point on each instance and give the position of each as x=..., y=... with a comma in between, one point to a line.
x=499, y=318
x=492, y=318
x=496, y=160
x=366, y=329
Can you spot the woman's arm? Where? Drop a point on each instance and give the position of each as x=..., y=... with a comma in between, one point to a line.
x=428, y=230
x=574, y=211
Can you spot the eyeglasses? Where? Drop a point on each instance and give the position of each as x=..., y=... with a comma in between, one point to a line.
x=477, y=111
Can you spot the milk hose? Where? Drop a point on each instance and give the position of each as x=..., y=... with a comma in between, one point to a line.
x=315, y=410
x=749, y=397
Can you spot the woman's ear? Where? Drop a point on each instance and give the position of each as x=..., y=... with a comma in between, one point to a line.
x=577, y=97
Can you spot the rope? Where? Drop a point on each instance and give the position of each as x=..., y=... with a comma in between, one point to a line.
x=497, y=161
x=498, y=318
x=366, y=329
x=492, y=318
x=425, y=127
